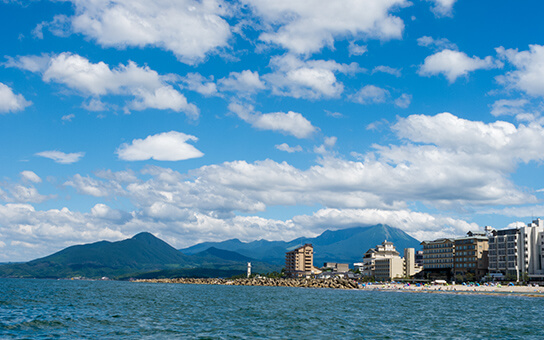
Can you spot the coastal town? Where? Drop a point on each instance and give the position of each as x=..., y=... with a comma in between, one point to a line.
x=515, y=255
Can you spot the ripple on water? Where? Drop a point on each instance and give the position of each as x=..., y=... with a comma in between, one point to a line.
x=85, y=309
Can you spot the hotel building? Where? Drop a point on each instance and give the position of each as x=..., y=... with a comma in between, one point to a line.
x=300, y=262
x=517, y=252
x=465, y=256
x=384, y=262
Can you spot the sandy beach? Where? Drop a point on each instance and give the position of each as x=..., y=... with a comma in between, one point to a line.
x=459, y=288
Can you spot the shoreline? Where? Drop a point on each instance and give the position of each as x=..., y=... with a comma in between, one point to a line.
x=498, y=290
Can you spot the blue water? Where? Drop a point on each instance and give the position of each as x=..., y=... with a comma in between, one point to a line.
x=40, y=309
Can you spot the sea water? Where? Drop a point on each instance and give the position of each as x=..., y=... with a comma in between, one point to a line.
x=64, y=309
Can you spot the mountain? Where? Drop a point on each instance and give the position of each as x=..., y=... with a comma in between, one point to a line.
x=143, y=252
x=143, y=255
x=343, y=246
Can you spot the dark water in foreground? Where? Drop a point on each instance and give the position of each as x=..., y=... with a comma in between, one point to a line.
x=85, y=309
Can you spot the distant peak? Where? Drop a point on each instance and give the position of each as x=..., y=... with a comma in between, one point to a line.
x=144, y=235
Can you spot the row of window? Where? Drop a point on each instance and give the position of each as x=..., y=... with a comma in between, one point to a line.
x=466, y=259
x=435, y=256
x=440, y=245
x=465, y=265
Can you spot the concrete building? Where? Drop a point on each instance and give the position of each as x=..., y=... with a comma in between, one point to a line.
x=438, y=254
x=388, y=268
x=336, y=267
x=300, y=262
x=470, y=260
x=384, y=262
x=410, y=265
x=382, y=251
x=517, y=252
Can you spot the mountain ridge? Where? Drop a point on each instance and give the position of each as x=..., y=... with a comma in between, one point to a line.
x=342, y=245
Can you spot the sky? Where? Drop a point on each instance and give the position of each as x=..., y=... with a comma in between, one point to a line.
x=254, y=119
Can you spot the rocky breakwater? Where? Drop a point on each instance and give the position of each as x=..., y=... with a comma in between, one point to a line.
x=336, y=283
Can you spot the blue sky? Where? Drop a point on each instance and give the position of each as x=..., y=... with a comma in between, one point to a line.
x=209, y=120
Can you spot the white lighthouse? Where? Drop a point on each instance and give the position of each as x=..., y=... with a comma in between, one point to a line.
x=248, y=269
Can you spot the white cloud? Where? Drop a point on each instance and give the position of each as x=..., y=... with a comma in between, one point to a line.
x=442, y=8
x=11, y=102
x=309, y=79
x=507, y=107
x=529, y=74
x=196, y=82
x=30, y=176
x=387, y=69
x=149, y=89
x=89, y=186
x=32, y=63
x=290, y=149
x=190, y=29
x=355, y=49
x=499, y=145
x=166, y=146
x=61, y=157
x=370, y=94
x=403, y=101
x=20, y=193
x=68, y=117
x=291, y=123
x=245, y=82
x=421, y=226
x=436, y=44
x=454, y=64
x=305, y=26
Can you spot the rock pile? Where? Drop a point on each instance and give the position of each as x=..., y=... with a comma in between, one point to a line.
x=336, y=283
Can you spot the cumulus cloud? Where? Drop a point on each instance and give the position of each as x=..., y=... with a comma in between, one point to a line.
x=529, y=74
x=404, y=100
x=290, y=149
x=149, y=89
x=305, y=27
x=166, y=146
x=245, y=82
x=442, y=8
x=190, y=29
x=11, y=102
x=292, y=123
x=30, y=176
x=421, y=226
x=196, y=82
x=370, y=94
x=454, y=64
x=309, y=79
x=61, y=157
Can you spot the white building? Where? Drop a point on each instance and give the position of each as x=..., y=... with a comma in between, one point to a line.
x=384, y=262
x=517, y=252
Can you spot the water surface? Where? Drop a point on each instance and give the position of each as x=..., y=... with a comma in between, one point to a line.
x=109, y=309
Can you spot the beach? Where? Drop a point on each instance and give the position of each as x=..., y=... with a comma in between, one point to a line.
x=460, y=288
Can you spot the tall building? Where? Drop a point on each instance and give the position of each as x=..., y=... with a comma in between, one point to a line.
x=438, y=254
x=464, y=256
x=411, y=267
x=471, y=256
x=517, y=252
x=300, y=262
